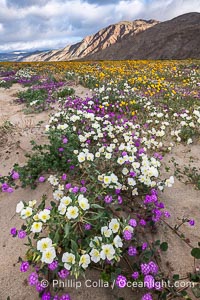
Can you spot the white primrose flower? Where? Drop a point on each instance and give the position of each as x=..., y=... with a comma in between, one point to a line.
x=68, y=259
x=72, y=212
x=62, y=208
x=36, y=227
x=107, y=179
x=107, y=252
x=118, y=242
x=44, y=244
x=48, y=255
x=44, y=215
x=129, y=228
x=95, y=255
x=66, y=200
x=58, y=195
x=170, y=181
x=19, y=207
x=81, y=157
x=96, y=241
x=32, y=203
x=90, y=156
x=83, y=202
x=131, y=181
x=114, y=225
x=26, y=212
x=53, y=180
x=84, y=261
x=106, y=231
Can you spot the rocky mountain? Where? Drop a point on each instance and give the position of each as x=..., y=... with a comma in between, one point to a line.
x=92, y=44
x=178, y=38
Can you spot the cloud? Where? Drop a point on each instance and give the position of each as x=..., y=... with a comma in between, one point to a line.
x=41, y=24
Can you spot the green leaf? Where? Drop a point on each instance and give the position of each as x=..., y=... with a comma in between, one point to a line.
x=97, y=206
x=74, y=246
x=164, y=246
x=176, y=277
x=196, y=291
x=196, y=253
x=67, y=229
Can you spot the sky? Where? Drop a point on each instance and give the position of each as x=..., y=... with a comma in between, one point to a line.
x=52, y=24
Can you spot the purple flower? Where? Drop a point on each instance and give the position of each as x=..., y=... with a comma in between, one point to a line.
x=72, y=167
x=191, y=222
x=68, y=186
x=132, y=251
x=153, y=267
x=75, y=189
x=83, y=189
x=56, y=297
x=149, y=281
x=132, y=174
x=63, y=273
x=33, y=278
x=9, y=190
x=13, y=231
x=127, y=235
x=133, y=222
x=82, y=181
x=144, y=246
x=147, y=297
x=145, y=269
x=87, y=226
x=21, y=234
x=39, y=287
x=64, y=176
x=135, y=275
x=53, y=265
x=120, y=200
x=24, y=266
x=65, y=297
x=167, y=214
x=108, y=199
x=121, y=281
x=60, y=149
x=65, y=140
x=46, y=296
x=41, y=179
x=142, y=222
x=15, y=175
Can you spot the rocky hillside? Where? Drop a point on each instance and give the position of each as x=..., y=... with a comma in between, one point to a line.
x=95, y=43
x=178, y=38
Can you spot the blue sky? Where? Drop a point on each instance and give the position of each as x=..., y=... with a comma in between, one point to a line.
x=46, y=24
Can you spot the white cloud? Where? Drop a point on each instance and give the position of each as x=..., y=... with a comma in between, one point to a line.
x=51, y=23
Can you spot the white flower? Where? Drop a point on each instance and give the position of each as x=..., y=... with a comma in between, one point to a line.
x=19, y=207
x=118, y=242
x=125, y=171
x=169, y=182
x=95, y=241
x=107, y=179
x=53, y=180
x=95, y=255
x=32, y=203
x=36, y=227
x=114, y=225
x=62, y=209
x=68, y=259
x=81, y=157
x=107, y=252
x=44, y=215
x=131, y=181
x=90, y=156
x=48, y=255
x=58, y=195
x=189, y=141
x=44, y=244
x=72, y=212
x=129, y=228
x=83, y=203
x=26, y=213
x=84, y=261
x=106, y=231
x=66, y=200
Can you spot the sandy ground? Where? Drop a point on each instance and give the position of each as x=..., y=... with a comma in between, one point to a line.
x=181, y=200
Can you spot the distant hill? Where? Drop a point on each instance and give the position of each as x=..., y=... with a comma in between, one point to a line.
x=178, y=38
x=16, y=55
x=96, y=42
